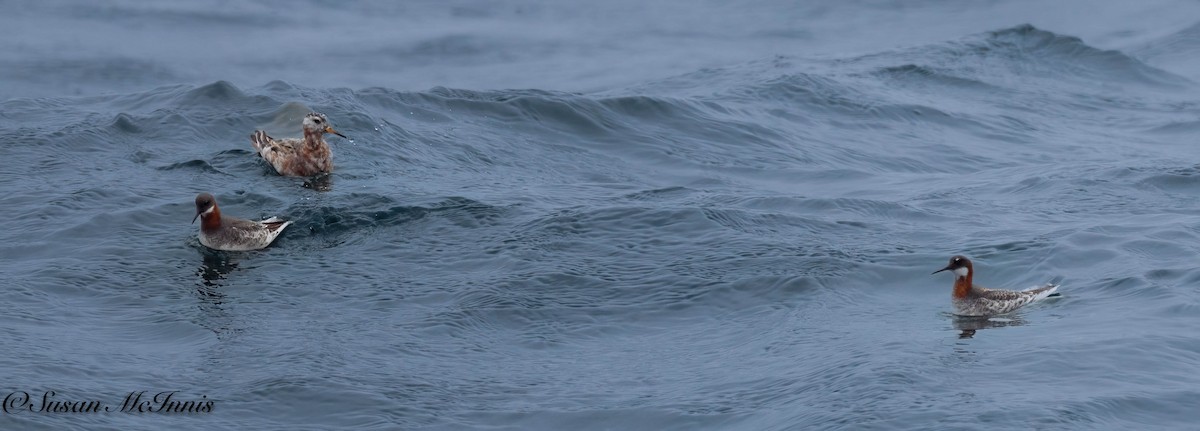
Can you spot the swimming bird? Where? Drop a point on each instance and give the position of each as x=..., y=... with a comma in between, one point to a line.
x=232, y=233
x=974, y=300
x=298, y=157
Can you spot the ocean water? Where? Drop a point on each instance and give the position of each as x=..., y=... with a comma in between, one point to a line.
x=603, y=215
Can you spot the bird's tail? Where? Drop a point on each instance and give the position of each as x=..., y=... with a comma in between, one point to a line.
x=260, y=140
x=276, y=224
x=1046, y=291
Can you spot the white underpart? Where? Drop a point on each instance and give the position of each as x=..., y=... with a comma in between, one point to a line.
x=962, y=272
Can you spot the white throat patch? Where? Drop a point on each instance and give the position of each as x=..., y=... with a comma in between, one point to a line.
x=962, y=272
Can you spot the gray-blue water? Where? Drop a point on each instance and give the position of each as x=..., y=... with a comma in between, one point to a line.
x=604, y=215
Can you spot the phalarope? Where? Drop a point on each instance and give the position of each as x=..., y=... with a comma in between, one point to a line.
x=973, y=300
x=232, y=233
x=298, y=157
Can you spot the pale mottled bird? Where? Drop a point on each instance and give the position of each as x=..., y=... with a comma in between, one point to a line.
x=299, y=157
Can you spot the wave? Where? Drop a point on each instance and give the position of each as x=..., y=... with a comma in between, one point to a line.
x=368, y=212
x=1178, y=51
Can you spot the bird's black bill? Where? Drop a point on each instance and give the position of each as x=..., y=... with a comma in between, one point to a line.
x=940, y=270
x=196, y=217
x=330, y=130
